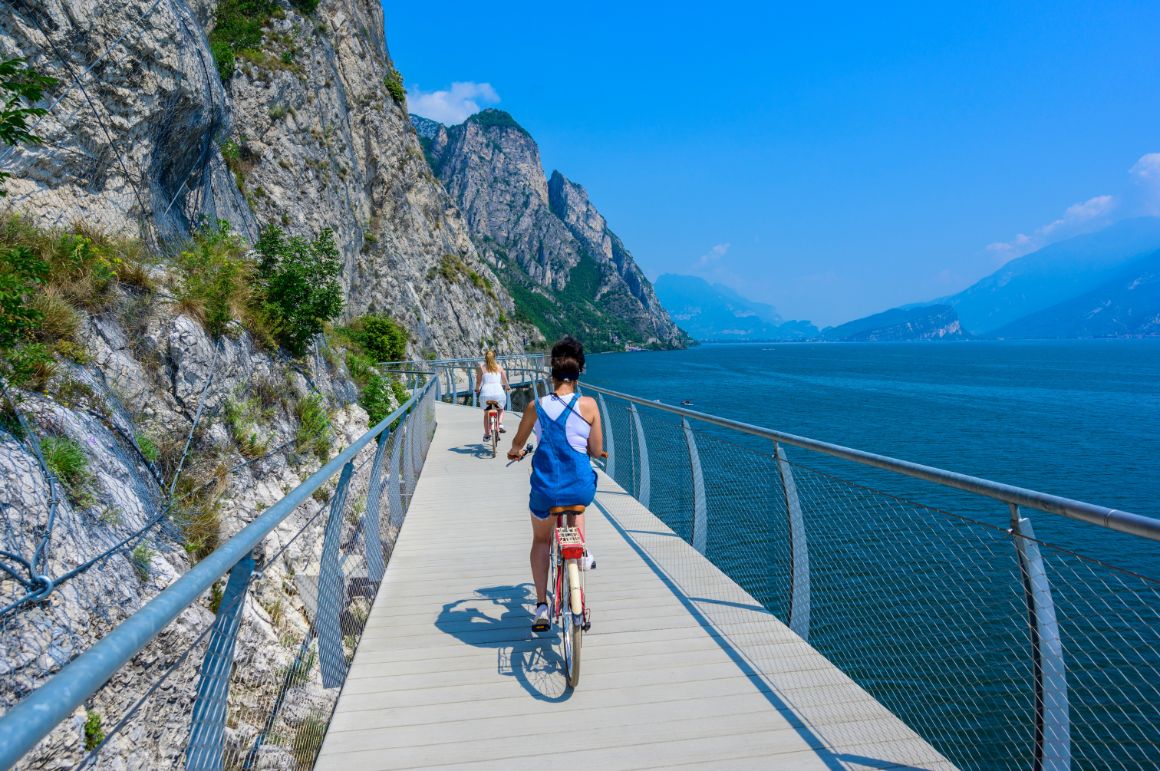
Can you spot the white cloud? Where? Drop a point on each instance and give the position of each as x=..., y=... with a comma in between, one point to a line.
x=454, y=105
x=1146, y=174
x=713, y=255
x=1075, y=218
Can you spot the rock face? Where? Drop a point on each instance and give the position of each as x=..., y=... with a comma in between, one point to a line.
x=554, y=251
x=144, y=140
x=313, y=136
x=929, y=322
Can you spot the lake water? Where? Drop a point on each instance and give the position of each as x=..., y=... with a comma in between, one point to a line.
x=916, y=590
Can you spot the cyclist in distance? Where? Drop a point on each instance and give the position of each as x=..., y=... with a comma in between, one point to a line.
x=568, y=432
x=492, y=386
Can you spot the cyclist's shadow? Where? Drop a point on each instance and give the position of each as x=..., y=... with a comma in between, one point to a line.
x=498, y=617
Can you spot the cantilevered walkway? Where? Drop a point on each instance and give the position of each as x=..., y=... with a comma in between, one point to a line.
x=681, y=668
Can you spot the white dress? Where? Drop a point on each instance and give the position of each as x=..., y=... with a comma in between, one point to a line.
x=491, y=388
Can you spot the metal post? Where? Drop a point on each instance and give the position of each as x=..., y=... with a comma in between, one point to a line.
x=609, y=439
x=438, y=385
x=471, y=386
x=372, y=534
x=799, y=555
x=645, y=482
x=394, y=493
x=700, y=510
x=408, y=460
x=331, y=588
x=208, y=721
x=1052, y=718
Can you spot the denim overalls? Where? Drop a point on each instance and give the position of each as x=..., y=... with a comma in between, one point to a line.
x=561, y=476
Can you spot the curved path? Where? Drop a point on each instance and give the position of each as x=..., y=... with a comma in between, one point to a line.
x=681, y=668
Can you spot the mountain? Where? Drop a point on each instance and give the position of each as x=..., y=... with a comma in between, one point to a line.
x=1056, y=273
x=930, y=322
x=713, y=312
x=1126, y=306
x=551, y=248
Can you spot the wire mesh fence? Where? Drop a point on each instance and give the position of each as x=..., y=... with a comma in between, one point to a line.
x=920, y=596
x=247, y=675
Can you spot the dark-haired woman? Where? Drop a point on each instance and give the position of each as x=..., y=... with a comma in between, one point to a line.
x=567, y=428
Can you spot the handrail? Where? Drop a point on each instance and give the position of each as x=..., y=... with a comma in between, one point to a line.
x=33, y=718
x=1113, y=519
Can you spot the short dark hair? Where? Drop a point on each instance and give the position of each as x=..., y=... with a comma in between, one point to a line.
x=567, y=359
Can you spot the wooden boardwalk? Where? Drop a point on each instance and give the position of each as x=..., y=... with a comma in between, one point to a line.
x=681, y=668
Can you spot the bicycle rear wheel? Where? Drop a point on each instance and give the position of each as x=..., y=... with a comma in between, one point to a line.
x=494, y=426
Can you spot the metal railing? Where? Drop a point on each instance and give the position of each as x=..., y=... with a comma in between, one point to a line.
x=927, y=587
x=238, y=663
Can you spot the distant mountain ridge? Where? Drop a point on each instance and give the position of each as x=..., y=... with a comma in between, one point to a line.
x=929, y=322
x=714, y=312
x=1125, y=306
x=1054, y=274
x=551, y=248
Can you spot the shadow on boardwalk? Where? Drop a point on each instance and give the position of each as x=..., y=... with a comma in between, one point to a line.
x=498, y=617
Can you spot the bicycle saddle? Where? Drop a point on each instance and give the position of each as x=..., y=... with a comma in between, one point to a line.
x=566, y=510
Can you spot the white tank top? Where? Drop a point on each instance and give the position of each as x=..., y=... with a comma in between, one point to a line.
x=491, y=379
x=575, y=427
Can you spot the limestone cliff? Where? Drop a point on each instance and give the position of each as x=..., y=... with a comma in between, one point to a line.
x=144, y=138
x=554, y=251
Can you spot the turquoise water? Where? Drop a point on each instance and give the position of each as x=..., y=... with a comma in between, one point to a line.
x=916, y=590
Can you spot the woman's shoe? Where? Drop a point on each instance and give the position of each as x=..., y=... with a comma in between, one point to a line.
x=543, y=622
x=487, y=437
x=502, y=430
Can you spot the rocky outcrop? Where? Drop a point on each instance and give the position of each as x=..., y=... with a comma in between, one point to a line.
x=567, y=270
x=928, y=322
x=311, y=135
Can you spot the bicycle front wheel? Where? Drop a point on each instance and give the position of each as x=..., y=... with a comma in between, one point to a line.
x=571, y=629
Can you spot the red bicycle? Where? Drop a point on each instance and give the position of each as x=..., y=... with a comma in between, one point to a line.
x=491, y=418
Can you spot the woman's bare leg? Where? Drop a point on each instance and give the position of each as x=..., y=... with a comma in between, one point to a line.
x=541, y=540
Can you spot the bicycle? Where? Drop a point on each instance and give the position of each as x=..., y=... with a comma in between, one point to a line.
x=567, y=564
x=491, y=415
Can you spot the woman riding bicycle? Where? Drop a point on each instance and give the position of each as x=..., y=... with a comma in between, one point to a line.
x=492, y=387
x=568, y=431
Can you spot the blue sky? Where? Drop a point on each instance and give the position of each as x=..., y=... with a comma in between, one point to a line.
x=833, y=160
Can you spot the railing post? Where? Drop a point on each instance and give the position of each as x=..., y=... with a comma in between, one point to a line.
x=408, y=457
x=645, y=492
x=700, y=510
x=331, y=588
x=208, y=721
x=471, y=387
x=376, y=565
x=799, y=555
x=394, y=493
x=609, y=439
x=1052, y=718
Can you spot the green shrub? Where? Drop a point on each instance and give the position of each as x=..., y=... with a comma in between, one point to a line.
x=68, y=464
x=299, y=283
x=212, y=278
x=381, y=337
x=394, y=83
x=313, y=433
x=198, y=492
x=305, y=6
x=148, y=448
x=376, y=398
x=94, y=733
x=22, y=274
x=400, y=390
x=30, y=365
x=237, y=29
x=20, y=87
x=141, y=557
x=243, y=418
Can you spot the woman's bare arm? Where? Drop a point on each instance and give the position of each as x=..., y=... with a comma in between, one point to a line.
x=503, y=377
x=590, y=412
x=523, y=432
